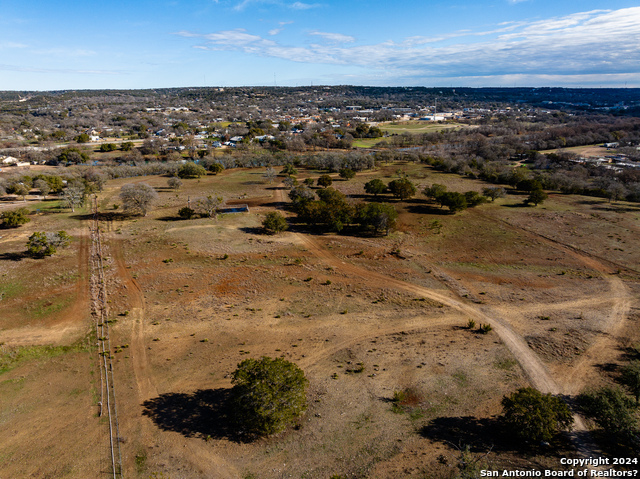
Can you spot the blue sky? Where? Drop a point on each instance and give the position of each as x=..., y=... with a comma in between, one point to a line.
x=48, y=45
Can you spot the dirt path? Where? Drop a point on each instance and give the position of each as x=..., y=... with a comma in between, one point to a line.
x=195, y=452
x=533, y=367
x=535, y=370
x=141, y=369
x=603, y=349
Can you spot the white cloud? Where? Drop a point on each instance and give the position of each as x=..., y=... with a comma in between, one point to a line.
x=18, y=68
x=4, y=45
x=334, y=37
x=275, y=31
x=304, y=6
x=293, y=6
x=65, y=52
x=597, y=42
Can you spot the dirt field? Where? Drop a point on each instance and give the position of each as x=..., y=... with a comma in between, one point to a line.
x=363, y=317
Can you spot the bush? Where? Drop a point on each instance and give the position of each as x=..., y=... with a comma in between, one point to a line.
x=43, y=244
x=15, y=218
x=325, y=181
x=631, y=378
x=347, y=173
x=381, y=217
x=532, y=416
x=186, y=213
x=191, y=170
x=612, y=410
x=536, y=197
x=274, y=223
x=268, y=394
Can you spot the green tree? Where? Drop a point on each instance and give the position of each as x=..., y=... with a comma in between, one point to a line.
x=325, y=181
x=402, y=188
x=612, y=410
x=435, y=192
x=630, y=377
x=474, y=198
x=274, y=223
x=73, y=155
x=494, y=192
x=43, y=244
x=15, y=218
x=54, y=182
x=82, y=138
x=375, y=187
x=21, y=190
x=127, y=146
x=216, y=168
x=289, y=170
x=536, y=197
x=191, y=170
x=106, y=147
x=454, y=201
x=186, y=213
x=381, y=217
x=532, y=416
x=268, y=394
x=347, y=173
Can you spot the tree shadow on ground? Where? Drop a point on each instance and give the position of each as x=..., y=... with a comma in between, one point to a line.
x=486, y=434
x=15, y=256
x=205, y=414
x=428, y=209
x=618, y=208
x=104, y=216
x=256, y=230
x=480, y=434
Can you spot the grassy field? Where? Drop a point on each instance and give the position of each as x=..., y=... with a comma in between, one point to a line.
x=367, y=318
x=417, y=127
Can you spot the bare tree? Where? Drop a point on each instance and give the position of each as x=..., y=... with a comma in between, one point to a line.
x=73, y=196
x=269, y=174
x=209, y=205
x=137, y=197
x=174, y=182
x=43, y=186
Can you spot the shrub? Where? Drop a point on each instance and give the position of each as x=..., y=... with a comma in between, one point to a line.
x=532, y=416
x=191, y=170
x=186, y=213
x=268, y=394
x=43, y=244
x=274, y=223
x=612, y=410
x=347, y=173
x=325, y=181
x=15, y=218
